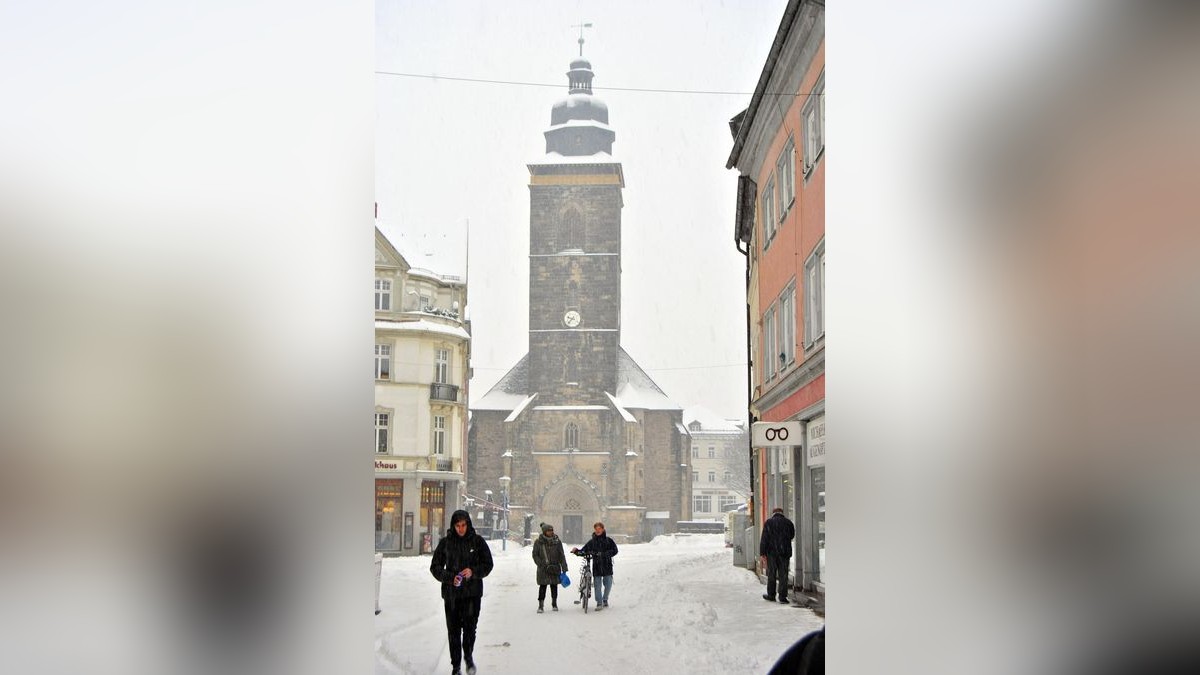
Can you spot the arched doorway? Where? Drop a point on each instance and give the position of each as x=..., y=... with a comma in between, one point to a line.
x=571, y=506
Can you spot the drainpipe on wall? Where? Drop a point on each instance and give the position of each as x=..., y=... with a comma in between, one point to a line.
x=750, y=419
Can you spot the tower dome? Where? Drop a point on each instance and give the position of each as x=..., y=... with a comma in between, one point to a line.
x=579, y=122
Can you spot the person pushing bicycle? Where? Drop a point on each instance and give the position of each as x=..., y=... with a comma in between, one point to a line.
x=602, y=550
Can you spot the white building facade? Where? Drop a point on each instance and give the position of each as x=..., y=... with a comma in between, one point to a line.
x=720, y=472
x=421, y=370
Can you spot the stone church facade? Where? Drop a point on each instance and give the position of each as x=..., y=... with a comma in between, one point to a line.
x=577, y=432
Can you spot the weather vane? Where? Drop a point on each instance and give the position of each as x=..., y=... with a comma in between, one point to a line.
x=581, y=26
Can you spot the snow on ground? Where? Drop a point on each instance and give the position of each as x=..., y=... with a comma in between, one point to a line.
x=678, y=604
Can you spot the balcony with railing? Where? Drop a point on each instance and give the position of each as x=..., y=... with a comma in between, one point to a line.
x=443, y=392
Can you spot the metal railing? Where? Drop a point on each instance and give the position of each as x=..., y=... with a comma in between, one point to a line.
x=443, y=392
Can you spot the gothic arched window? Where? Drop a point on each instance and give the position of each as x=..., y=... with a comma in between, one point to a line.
x=572, y=296
x=572, y=229
x=572, y=436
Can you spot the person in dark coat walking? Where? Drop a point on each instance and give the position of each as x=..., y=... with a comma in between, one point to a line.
x=550, y=559
x=603, y=549
x=775, y=549
x=460, y=563
x=806, y=657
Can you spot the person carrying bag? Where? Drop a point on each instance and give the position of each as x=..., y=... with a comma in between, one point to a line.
x=551, y=561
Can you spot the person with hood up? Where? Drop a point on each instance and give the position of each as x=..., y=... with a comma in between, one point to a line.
x=551, y=560
x=603, y=549
x=460, y=563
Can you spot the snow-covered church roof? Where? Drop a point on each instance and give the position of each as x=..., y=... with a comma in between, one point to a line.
x=635, y=389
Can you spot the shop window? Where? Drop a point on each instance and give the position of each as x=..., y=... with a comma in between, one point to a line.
x=389, y=500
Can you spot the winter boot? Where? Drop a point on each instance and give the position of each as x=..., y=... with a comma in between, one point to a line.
x=540, y=610
x=471, y=668
x=554, y=605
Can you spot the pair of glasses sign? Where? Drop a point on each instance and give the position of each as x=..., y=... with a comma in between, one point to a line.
x=766, y=434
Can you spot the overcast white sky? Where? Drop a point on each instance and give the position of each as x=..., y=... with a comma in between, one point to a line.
x=450, y=152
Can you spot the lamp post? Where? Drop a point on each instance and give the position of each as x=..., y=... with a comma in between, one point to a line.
x=487, y=495
x=504, y=481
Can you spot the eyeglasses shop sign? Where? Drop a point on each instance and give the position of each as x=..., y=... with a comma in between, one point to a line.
x=768, y=434
x=815, y=447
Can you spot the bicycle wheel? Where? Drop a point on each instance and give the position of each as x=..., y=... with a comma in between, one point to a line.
x=586, y=590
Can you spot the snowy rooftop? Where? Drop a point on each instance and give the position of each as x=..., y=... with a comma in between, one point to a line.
x=580, y=123
x=520, y=407
x=709, y=421
x=423, y=325
x=624, y=413
x=635, y=389
x=510, y=391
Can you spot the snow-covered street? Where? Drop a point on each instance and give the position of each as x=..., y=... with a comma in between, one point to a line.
x=677, y=605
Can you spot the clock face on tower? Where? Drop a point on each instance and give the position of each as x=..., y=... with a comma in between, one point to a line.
x=571, y=319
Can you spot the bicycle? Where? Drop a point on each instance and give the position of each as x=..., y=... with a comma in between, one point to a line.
x=585, y=580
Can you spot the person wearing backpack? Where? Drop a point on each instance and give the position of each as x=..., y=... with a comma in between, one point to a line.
x=551, y=561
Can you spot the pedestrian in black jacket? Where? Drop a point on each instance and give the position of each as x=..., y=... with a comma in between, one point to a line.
x=460, y=562
x=775, y=549
x=603, y=549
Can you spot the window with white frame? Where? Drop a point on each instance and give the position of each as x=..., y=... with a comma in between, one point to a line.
x=702, y=504
x=712, y=451
x=770, y=354
x=695, y=476
x=712, y=476
x=381, y=432
x=695, y=452
x=814, y=295
x=439, y=435
x=571, y=436
x=383, y=295
x=727, y=503
x=785, y=169
x=728, y=477
x=768, y=211
x=787, y=326
x=383, y=362
x=813, y=117
x=441, y=366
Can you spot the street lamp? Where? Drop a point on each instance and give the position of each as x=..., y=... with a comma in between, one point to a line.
x=487, y=494
x=504, y=481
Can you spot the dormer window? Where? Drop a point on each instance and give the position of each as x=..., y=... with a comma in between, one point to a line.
x=383, y=295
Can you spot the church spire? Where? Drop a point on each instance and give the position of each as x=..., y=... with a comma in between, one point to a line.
x=581, y=26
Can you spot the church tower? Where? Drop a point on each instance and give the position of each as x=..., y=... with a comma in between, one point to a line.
x=576, y=432
x=575, y=251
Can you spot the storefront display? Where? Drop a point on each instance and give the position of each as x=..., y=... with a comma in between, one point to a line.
x=815, y=457
x=389, y=500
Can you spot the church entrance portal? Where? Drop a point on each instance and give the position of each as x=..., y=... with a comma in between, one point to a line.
x=573, y=529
